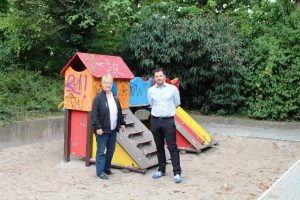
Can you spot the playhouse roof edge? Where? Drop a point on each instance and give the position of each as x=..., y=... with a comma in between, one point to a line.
x=99, y=65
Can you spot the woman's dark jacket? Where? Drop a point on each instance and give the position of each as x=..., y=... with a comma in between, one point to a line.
x=100, y=113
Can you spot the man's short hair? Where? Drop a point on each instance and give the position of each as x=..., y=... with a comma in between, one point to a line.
x=159, y=70
x=106, y=78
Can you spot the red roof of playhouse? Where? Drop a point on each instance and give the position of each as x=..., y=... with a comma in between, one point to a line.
x=100, y=65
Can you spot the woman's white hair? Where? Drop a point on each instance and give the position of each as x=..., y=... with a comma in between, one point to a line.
x=106, y=78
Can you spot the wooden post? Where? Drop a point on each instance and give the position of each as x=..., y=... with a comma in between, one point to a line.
x=67, y=136
x=89, y=139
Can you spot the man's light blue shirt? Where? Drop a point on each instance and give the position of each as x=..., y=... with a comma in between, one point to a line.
x=163, y=100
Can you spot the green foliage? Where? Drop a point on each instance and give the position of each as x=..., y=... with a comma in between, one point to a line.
x=269, y=33
x=28, y=94
x=243, y=54
x=74, y=24
x=200, y=51
x=21, y=40
x=117, y=18
x=273, y=72
x=43, y=35
x=3, y=6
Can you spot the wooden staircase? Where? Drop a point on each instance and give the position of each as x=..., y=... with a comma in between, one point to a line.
x=138, y=142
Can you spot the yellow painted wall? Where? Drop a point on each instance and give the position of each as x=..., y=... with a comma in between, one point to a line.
x=120, y=158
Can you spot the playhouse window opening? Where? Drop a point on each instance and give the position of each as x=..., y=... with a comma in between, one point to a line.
x=78, y=66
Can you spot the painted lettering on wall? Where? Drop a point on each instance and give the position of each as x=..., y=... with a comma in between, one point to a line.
x=138, y=91
x=77, y=90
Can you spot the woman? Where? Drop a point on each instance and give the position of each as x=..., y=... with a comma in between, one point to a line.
x=107, y=119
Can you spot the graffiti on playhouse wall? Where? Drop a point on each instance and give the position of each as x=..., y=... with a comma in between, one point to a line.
x=78, y=90
x=138, y=91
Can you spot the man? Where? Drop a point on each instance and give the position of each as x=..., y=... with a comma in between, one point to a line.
x=163, y=99
x=107, y=119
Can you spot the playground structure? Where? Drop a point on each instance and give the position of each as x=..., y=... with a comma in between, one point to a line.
x=190, y=136
x=135, y=149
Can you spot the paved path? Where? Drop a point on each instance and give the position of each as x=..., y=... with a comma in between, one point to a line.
x=288, y=131
x=287, y=187
x=292, y=134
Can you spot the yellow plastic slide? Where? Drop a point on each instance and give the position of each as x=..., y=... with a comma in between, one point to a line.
x=184, y=116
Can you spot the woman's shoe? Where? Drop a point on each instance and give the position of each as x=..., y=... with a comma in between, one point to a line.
x=103, y=176
x=108, y=172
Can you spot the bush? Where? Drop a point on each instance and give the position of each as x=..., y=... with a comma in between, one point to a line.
x=273, y=71
x=44, y=35
x=28, y=94
x=202, y=52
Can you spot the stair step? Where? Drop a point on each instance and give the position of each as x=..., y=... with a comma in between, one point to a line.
x=150, y=153
x=135, y=133
x=144, y=142
x=129, y=124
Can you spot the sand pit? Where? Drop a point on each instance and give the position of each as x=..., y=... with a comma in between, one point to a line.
x=239, y=168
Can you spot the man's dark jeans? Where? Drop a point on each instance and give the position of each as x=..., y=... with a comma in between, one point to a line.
x=103, y=160
x=165, y=129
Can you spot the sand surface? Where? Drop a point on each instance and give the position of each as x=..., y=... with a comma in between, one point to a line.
x=239, y=168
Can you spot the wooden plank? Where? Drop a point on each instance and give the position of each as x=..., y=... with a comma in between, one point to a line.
x=123, y=167
x=140, y=143
x=188, y=134
x=67, y=132
x=129, y=144
x=183, y=143
x=78, y=137
x=137, y=133
x=129, y=123
x=89, y=139
x=188, y=129
x=150, y=153
x=193, y=125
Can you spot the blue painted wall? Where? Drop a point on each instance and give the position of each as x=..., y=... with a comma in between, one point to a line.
x=138, y=91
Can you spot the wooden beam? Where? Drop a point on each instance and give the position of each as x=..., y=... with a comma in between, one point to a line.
x=67, y=135
x=89, y=140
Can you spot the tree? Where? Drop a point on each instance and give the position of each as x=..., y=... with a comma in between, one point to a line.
x=43, y=35
x=117, y=17
x=23, y=34
x=202, y=52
